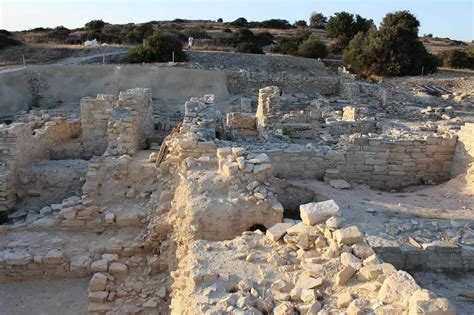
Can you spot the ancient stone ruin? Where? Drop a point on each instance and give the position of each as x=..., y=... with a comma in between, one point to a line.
x=252, y=197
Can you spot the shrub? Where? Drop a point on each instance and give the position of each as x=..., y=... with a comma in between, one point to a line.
x=289, y=45
x=5, y=33
x=240, y=22
x=312, y=48
x=264, y=39
x=157, y=48
x=196, y=33
x=220, y=20
x=393, y=50
x=275, y=23
x=227, y=30
x=300, y=24
x=137, y=33
x=317, y=20
x=249, y=48
x=456, y=59
x=94, y=25
x=7, y=42
x=470, y=51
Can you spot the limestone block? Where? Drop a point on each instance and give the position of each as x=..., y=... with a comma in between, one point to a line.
x=128, y=219
x=100, y=265
x=277, y=231
x=362, y=250
x=344, y=299
x=18, y=258
x=55, y=256
x=424, y=302
x=118, y=268
x=98, y=282
x=347, y=259
x=344, y=275
x=315, y=212
x=80, y=263
x=398, y=289
x=348, y=235
x=308, y=282
x=98, y=297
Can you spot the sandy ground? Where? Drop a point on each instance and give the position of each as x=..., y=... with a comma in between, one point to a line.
x=44, y=297
x=451, y=200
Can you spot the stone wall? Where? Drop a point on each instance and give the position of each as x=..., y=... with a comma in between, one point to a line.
x=379, y=163
x=95, y=114
x=123, y=133
x=464, y=153
x=21, y=144
x=432, y=256
x=106, y=116
x=248, y=83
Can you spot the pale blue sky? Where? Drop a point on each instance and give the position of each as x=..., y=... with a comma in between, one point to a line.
x=447, y=18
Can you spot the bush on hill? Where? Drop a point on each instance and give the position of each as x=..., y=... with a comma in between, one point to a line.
x=158, y=47
x=393, y=50
x=312, y=48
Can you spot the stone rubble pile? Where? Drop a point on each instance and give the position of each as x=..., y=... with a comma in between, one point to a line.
x=317, y=266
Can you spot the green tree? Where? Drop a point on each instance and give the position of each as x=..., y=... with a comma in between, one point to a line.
x=300, y=24
x=393, y=50
x=343, y=23
x=312, y=48
x=158, y=47
x=94, y=25
x=240, y=22
x=317, y=20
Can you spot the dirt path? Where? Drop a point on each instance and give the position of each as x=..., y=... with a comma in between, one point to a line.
x=44, y=297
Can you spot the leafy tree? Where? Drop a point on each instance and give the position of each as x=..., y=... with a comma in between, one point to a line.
x=158, y=47
x=393, y=50
x=343, y=23
x=275, y=23
x=312, y=48
x=339, y=44
x=220, y=20
x=456, y=59
x=94, y=25
x=240, y=22
x=317, y=20
x=300, y=24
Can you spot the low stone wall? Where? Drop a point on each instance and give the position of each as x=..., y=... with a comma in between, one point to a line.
x=21, y=144
x=379, y=163
x=464, y=153
x=248, y=83
x=435, y=255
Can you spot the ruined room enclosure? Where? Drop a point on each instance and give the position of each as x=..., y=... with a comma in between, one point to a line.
x=194, y=206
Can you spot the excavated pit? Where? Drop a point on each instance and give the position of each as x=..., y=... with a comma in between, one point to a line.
x=183, y=223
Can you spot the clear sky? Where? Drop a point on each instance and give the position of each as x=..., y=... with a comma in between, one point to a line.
x=443, y=18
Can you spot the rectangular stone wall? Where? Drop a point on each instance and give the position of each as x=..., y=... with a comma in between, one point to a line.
x=95, y=114
x=464, y=153
x=378, y=163
x=248, y=83
x=21, y=144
